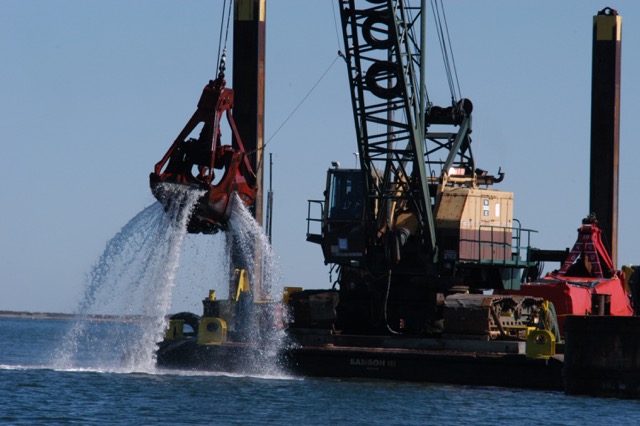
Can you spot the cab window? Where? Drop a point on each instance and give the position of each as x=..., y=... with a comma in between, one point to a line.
x=345, y=195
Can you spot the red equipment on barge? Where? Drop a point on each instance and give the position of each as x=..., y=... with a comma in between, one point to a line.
x=204, y=155
x=587, y=283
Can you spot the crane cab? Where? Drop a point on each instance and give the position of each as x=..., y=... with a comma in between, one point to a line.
x=339, y=229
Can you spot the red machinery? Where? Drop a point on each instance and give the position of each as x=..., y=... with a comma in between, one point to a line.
x=191, y=163
x=587, y=283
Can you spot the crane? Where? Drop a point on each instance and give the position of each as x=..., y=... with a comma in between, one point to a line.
x=412, y=224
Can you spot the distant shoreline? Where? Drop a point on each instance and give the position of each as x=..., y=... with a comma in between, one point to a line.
x=61, y=316
x=35, y=315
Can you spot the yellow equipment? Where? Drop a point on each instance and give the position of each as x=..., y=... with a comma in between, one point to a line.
x=541, y=344
x=243, y=282
x=175, y=329
x=212, y=331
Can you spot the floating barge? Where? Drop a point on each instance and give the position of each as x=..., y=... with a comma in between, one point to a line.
x=317, y=353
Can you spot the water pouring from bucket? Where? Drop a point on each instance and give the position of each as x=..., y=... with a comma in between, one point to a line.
x=193, y=163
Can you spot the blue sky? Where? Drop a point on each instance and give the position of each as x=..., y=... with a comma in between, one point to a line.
x=93, y=93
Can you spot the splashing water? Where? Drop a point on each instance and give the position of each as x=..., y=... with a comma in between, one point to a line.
x=133, y=279
x=254, y=253
x=132, y=285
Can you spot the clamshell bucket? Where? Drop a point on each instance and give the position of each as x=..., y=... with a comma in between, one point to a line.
x=191, y=164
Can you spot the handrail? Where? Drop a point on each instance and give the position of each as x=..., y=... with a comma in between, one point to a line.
x=503, y=238
x=311, y=219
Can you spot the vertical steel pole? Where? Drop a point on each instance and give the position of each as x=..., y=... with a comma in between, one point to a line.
x=269, y=221
x=248, y=85
x=248, y=110
x=605, y=125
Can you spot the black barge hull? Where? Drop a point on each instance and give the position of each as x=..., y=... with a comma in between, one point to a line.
x=405, y=364
x=462, y=368
x=611, y=366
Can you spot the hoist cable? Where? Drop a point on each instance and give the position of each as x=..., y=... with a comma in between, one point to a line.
x=300, y=103
x=224, y=6
x=443, y=47
x=294, y=110
x=453, y=60
x=226, y=35
x=417, y=47
x=335, y=24
x=220, y=56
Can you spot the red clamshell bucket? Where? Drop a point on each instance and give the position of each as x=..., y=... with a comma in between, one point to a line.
x=191, y=163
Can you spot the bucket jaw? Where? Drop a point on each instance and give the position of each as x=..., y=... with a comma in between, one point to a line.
x=191, y=163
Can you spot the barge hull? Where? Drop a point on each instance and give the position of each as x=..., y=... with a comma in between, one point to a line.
x=415, y=365
x=461, y=368
x=611, y=366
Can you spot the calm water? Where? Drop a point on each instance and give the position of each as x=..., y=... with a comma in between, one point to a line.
x=100, y=388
